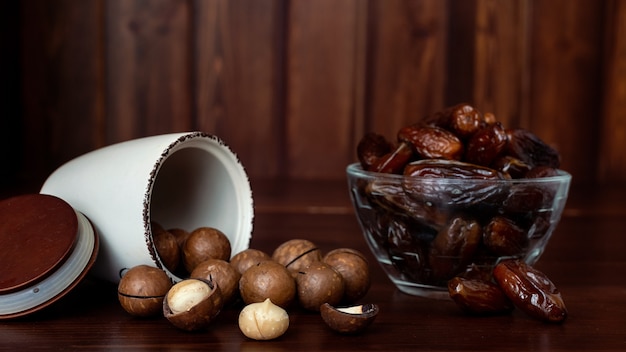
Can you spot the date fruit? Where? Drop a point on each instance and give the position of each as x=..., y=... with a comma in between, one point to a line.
x=370, y=148
x=394, y=162
x=504, y=238
x=529, y=148
x=464, y=120
x=530, y=290
x=454, y=247
x=486, y=145
x=432, y=142
x=479, y=297
x=450, y=192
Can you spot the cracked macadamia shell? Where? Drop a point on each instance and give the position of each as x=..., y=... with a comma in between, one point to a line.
x=263, y=320
x=141, y=290
x=222, y=273
x=192, y=304
x=297, y=254
x=349, y=320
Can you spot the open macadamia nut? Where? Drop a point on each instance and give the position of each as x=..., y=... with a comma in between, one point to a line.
x=296, y=254
x=205, y=243
x=222, y=273
x=141, y=290
x=349, y=320
x=354, y=268
x=263, y=320
x=318, y=284
x=192, y=304
x=265, y=280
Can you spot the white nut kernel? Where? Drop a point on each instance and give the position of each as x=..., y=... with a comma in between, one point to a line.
x=263, y=320
x=186, y=294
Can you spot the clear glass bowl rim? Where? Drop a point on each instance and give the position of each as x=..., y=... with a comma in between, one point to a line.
x=356, y=170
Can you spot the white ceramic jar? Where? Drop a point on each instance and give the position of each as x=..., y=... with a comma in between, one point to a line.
x=181, y=180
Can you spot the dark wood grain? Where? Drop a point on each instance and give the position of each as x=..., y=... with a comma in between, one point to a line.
x=320, y=96
x=407, y=55
x=613, y=125
x=502, y=60
x=239, y=78
x=62, y=86
x=292, y=86
x=584, y=259
x=566, y=60
x=149, y=68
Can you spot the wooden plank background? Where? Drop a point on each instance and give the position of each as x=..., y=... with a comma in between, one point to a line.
x=291, y=86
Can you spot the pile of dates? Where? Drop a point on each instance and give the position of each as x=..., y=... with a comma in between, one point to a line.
x=465, y=200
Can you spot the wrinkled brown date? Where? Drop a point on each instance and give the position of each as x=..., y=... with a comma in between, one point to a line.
x=486, y=145
x=504, y=238
x=530, y=290
x=394, y=162
x=529, y=148
x=511, y=166
x=437, y=168
x=454, y=247
x=541, y=171
x=462, y=119
x=479, y=297
x=392, y=198
x=432, y=142
x=532, y=196
x=452, y=193
x=371, y=148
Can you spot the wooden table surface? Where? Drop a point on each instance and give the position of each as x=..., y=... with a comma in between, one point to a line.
x=585, y=259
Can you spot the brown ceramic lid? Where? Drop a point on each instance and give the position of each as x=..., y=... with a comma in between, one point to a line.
x=46, y=249
x=37, y=233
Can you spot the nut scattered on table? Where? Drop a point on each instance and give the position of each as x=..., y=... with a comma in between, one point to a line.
x=268, y=285
x=354, y=269
x=191, y=304
x=263, y=320
x=222, y=273
x=268, y=279
x=297, y=254
x=349, y=320
x=317, y=284
x=205, y=243
x=247, y=258
x=141, y=290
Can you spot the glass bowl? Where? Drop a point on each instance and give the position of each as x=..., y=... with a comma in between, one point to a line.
x=424, y=231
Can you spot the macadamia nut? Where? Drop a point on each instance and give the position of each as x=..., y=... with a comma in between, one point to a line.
x=297, y=254
x=263, y=320
x=186, y=294
x=192, y=304
x=142, y=289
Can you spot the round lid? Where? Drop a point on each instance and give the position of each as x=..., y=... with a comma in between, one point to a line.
x=46, y=248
